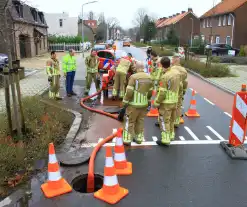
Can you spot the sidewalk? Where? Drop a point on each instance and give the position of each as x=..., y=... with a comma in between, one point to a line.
x=37, y=83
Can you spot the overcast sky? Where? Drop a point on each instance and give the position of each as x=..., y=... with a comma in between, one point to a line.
x=124, y=10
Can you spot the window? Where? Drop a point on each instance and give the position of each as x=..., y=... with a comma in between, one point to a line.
x=19, y=9
x=204, y=23
x=219, y=24
x=44, y=39
x=34, y=13
x=207, y=22
x=228, y=40
x=224, y=20
x=60, y=22
x=212, y=40
x=229, y=20
x=210, y=24
x=41, y=16
x=203, y=38
x=92, y=24
x=217, y=40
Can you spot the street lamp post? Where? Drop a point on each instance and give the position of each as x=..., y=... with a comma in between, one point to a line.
x=82, y=31
x=192, y=31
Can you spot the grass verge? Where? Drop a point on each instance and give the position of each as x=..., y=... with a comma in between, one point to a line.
x=215, y=70
x=45, y=124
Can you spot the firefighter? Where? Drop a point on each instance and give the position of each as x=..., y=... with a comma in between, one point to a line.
x=69, y=69
x=183, y=86
x=138, y=93
x=125, y=66
x=149, y=53
x=53, y=72
x=154, y=68
x=92, y=64
x=166, y=101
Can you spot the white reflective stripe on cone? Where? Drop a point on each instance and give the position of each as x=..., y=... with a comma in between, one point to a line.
x=109, y=162
x=119, y=157
x=110, y=180
x=52, y=159
x=193, y=106
x=238, y=131
x=119, y=141
x=54, y=176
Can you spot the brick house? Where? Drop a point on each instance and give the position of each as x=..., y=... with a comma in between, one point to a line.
x=225, y=23
x=89, y=28
x=185, y=24
x=28, y=30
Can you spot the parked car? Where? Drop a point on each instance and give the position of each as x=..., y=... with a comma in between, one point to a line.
x=3, y=59
x=221, y=49
x=108, y=58
x=126, y=43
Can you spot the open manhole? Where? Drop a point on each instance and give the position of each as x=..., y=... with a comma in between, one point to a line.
x=79, y=183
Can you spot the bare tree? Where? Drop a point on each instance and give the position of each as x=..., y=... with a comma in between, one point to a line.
x=91, y=15
x=139, y=17
x=101, y=18
x=112, y=23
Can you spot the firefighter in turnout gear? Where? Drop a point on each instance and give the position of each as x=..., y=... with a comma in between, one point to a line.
x=166, y=101
x=92, y=64
x=53, y=72
x=125, y=66
x=138, y=93
x=156, y=70
x=183, y=86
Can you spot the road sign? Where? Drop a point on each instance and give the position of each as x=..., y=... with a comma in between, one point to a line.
x=231, y=52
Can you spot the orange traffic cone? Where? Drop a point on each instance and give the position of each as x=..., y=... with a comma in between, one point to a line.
x=56, y=185
x=122, y=166
x=192, y=110
x=153, y=111
x=111, y=192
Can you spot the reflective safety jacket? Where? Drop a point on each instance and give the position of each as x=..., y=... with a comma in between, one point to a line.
x=183, y=76
x=92, y=64
x=169, y=88
x=52, y=67
x=69, y=63
x=125, y=65
x=139, y=90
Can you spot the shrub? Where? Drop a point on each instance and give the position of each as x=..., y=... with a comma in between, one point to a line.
x=162, y=52
x=216, y=70
x=45, y=124
x=242, y=52
x=139, y=44
x=230, y=59
x=65, y=39
x=215, y=59
x=198, y=50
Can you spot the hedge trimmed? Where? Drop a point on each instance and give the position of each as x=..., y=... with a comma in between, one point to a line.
x=230, y=59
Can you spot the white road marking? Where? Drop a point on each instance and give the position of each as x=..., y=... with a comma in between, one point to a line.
x=182, y=138
x=100, y=139
x=209, y=101
x=186, y=142
x=215, y=133
x=208, y=137
x=5, y=202
x=155, y=139
x=191, y=133
x=144, y=139
x=228, y=114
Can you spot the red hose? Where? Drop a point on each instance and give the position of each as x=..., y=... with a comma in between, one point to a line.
x=90, y=177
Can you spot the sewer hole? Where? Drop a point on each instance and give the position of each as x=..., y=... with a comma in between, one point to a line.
x=79, y=183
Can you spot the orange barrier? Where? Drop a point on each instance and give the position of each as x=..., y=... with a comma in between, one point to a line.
x=56, y=185
x=239, y=118
x=153, y=111
x=192, y=112
x=122, y=166
x=111, y=192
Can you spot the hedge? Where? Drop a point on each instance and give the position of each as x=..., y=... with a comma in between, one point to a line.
x=230, y=59
x=66, y=39
x=215, y=70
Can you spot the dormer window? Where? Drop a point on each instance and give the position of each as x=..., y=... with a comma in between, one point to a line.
x=35, y=16
x=41, y=16
x=19, y=8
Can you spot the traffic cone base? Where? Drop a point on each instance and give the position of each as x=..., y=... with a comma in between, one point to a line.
x=125, y=171
x=192, y=115
x=53, y=192
x=181, y=121
x=111, y=199
x=153, y=113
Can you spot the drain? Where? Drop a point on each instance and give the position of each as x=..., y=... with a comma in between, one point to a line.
x=79, y=183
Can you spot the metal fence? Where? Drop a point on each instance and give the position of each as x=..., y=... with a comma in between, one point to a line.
x=61, y=47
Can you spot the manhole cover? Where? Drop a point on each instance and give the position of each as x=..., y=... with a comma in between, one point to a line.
x=113, y=110
x=79, y=183
x=76, y=157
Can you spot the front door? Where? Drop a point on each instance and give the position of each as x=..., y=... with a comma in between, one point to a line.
x=23, y=52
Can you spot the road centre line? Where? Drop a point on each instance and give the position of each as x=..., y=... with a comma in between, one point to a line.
x=228, y=114
x=215, y=133
x=209, y=101
x=208, y=137
x=191, y=133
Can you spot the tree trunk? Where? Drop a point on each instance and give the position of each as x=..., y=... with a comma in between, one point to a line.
x=8, y=46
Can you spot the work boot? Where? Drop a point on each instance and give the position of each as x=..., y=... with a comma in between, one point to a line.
x=177, y=122
x=172, y=136
x=58, y=98
x=157, y=124
x=165, y=140
x=73, y=93
x=126, y=138
x=69, y=95
x=139, y=139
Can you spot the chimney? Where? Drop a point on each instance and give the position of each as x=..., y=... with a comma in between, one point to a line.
x=173, y=15
x=177, y=13
x=170, y=16
x=190, y=10
x=164, y=18
x=183, y=12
